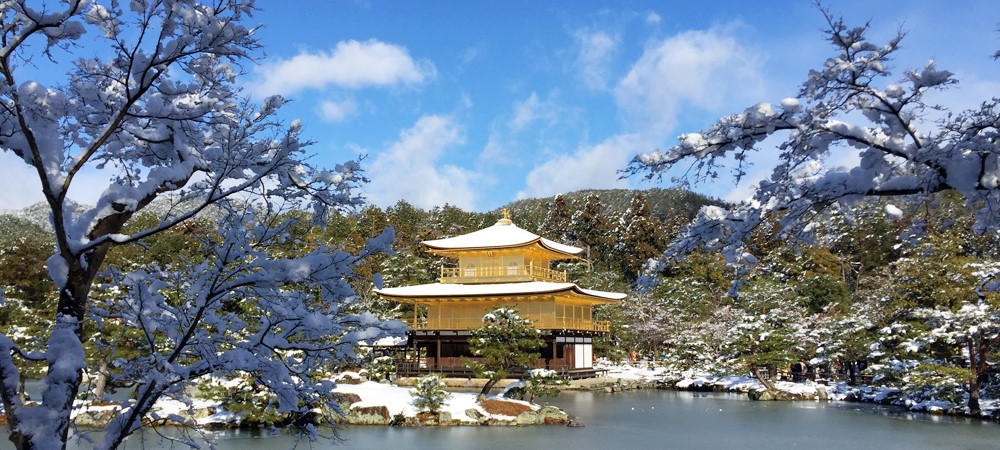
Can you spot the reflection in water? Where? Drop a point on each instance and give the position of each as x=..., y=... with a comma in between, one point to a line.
x=668, y=419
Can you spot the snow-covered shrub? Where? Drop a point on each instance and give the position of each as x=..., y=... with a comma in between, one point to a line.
x=935, y=382
x=429, y=393
x=253, y=402
x=543, y=383
x=381, y=368
x=892, y=373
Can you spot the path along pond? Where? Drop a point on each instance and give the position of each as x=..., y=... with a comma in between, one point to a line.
x=664, y=419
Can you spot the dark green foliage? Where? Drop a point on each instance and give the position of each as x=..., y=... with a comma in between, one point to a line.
x=662, y=203
x=822, y=293
x=505, y=343
x=24, y=248
x=640, y=237
x=557, y=224
x=246, y=398
x=428, y=393
x=591, y=229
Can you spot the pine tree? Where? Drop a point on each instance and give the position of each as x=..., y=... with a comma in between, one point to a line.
x=639, y=237
x=428, y=393
x=506, y=342
x=557, y=222
x=591, y=228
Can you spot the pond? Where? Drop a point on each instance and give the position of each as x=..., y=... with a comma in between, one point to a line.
x=669, y=419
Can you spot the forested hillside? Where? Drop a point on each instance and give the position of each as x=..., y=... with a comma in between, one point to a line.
x=867, y=296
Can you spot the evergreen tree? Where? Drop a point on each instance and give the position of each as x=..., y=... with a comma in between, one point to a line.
x=410, y=223
x=505, y=343
x=27, y=292
x=591, y=228
x=639, y=238
x=557, y=222
x=428, y=393
x=24, y=248
x=763, y=337
x=449, y=220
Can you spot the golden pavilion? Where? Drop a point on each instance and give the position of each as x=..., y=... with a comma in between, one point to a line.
x=500, y=266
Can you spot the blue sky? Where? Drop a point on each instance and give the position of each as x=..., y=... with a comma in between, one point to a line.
x=481, y=103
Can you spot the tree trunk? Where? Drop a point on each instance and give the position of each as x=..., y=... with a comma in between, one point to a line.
x=486, y=389
x=974, y=408
x=852, y=372
x=764, y=378
x=977, y=367
x=21, y=395
x=102, y=380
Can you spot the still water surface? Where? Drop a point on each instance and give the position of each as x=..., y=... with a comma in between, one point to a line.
x=654, y=419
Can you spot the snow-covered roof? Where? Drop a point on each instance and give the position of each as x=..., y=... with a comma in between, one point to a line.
x=503, y=234
x=443, y=290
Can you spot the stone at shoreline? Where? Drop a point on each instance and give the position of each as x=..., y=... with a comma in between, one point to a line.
x=90, y=417
x=547, y=415
x=765, y=395
x=94, y=418
x=348, y=378
x=550, y=415
x=368, y=415
x=346, y=399
x=474, y=414
x=526, y=418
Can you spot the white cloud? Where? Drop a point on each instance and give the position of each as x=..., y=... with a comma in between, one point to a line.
x=409, y=169
x=594, y=60
x=19, y=183
x=704, y=69
x=544, y=115
x=332, y=111
x=969, y=93
x=351, y=64
x=524, y=112
x=653, y=18
x=594, y=167
x=470, y=54
x=534, y=109
x=21, y=188
x=495, y=152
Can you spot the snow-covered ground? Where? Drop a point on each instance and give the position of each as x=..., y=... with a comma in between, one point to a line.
x=396, y=399
x=399, y=400
x=647, y=372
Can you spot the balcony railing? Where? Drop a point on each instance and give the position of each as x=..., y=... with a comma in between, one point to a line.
x=500, y=274
x=541, y=324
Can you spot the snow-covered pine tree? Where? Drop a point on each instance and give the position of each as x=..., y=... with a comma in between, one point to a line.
x=556, y=225
x=151, y=98
x=506, y=342
x=591, y=228
x=639, y=237
x=428, y=393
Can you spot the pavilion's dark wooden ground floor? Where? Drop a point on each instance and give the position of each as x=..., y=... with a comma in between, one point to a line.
x=568, y=352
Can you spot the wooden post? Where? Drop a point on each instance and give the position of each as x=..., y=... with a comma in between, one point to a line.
x=437, y=355
x=554, y=339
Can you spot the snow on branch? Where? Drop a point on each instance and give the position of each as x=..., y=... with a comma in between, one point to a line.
x=281, y=320
x=851, y=104
x=152, y=101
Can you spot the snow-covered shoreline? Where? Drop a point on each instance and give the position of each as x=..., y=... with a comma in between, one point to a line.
x=371, y=403
x=361, y=402
x=386, y=404
x=644, y=375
